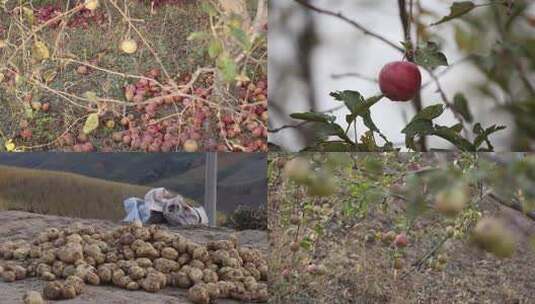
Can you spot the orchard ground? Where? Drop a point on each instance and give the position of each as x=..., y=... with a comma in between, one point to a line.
x=75, y=70
x=342, y=248
x=22, y=225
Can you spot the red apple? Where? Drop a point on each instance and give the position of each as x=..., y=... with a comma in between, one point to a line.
x=400, y=80
x=401, y=240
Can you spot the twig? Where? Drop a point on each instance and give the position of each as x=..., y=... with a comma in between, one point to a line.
x=446, y=100
x=57, y=138
x=356, y=75
x=110, y=71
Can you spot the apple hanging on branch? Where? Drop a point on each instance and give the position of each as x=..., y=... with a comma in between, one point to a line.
x=400, y=80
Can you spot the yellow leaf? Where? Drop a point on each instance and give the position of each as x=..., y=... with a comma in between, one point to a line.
x=242, y=78
x=91, y=96
x=10, y=146
x=91, y=123
x=40, y=51
x=1, y=77
x=28, y=13
x=3, y=44
x=49, y=75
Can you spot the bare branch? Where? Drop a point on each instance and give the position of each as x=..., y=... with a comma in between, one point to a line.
x=350, y=21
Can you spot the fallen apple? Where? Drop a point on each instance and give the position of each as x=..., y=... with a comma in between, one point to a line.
x=91, y=4
x=129, y=46
x=401, y=240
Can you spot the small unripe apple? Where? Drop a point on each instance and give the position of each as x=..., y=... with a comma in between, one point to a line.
x=129, y=46
x=36, y=105
x=117, y=136
x=493, y=236
x=451, y=201
x=295, y=246
x=82, y=70
x=321, y=185
x=190, y=145
x=400, y=80
x=398, y=263
x=298, y=170
x=389, y=237
x=450, y=231
x=316, y=269
x=91, y=4
x=26, y=133
x=295, y=219
x=401, y=240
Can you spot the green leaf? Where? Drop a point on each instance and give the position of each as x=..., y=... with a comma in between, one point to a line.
x=457, y=9
x=451, y=135
x=368, y=140
x=418, y=127
x=460, y=105
x=197, y=36
x=28, y=13
x=91, y=96
x=457, y=128
x=355, y=103
x=40, y=51
x=483, y=135
x=368, y=122
x=227, y=67
x=91, y=123
x=215, y=48
x=332, y=146
x=429, y=56
x=466, y=41
x=322, y=131
x=430, y=112
x=208, y=8
x=241, y=36
x=306, y=243
x=313, y=116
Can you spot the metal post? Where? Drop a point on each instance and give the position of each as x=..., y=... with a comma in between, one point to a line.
x=210, y=187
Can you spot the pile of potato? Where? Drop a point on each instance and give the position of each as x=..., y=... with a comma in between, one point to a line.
x=136, y=257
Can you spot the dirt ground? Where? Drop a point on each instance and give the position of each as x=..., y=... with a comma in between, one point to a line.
x=22, y=225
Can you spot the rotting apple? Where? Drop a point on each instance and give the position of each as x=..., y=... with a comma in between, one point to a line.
x=400, y=80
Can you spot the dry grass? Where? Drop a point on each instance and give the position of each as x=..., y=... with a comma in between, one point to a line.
x=162, y=36
x=65, y=194
x=361, y=265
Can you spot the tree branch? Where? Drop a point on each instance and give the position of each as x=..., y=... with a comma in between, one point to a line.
x=350, y=21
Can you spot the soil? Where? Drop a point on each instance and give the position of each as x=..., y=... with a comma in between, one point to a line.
x=22, y=225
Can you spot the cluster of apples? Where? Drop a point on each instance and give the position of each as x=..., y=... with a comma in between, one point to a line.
x=9, y=78
x=37, y=106
x=83, y=18
x=157, y=3
x=46, y=13
x=253, y=117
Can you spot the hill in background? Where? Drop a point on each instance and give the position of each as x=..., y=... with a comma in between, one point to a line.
x=242, y=177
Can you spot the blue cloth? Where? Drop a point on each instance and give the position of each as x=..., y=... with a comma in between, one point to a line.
x=136, y=209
